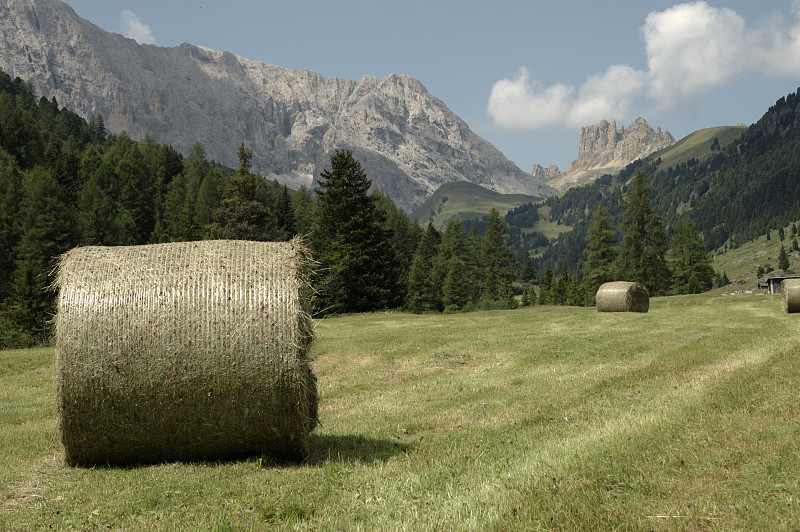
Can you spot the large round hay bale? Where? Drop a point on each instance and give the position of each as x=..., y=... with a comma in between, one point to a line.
x=184, y=351
x=790, y=294
x=622, y=296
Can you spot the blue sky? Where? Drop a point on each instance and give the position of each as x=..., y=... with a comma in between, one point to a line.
x=524, y=75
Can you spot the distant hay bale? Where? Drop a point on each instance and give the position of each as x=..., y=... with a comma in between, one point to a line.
x=790, y=294
x=622, y=296
x=184, y=351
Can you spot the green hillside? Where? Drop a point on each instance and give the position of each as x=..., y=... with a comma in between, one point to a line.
x=741, y=264
x=465, y=201
x=697, y=145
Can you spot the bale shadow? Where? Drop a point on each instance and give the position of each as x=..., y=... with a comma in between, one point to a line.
x=351, y=449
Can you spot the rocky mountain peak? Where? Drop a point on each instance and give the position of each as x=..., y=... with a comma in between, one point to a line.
x=407, y=140
x=604, y=145
x=602, y=149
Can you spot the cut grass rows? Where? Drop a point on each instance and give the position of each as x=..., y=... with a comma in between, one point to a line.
x=543, y=418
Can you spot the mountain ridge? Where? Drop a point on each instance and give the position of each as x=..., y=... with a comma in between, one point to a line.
x=605, y=149
x=408, y=141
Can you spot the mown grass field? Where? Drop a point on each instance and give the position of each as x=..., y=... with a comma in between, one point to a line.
x=545, y=418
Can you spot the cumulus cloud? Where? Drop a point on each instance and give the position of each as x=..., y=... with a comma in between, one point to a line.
x=519, y=103
x=606, y=95
x=134, y=28
x=691, y=49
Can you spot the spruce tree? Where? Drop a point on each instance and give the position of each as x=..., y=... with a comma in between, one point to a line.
x=783, y=259
x=303, y=207
x=46, y=233
x=242, y=214
x=424, y=290
x=497, y=259
x=690, y=264
x=358, y=266
x=456, y=289
x=601, y=249
x=644, y=241
x=285, y=213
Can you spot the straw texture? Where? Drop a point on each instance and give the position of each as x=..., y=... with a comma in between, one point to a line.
x=790, y=294
x=622, y=296
x=184, y=351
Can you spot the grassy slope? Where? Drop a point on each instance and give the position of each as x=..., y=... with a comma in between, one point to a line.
x=697, y=145
x=466, y=201
x=682, y=418
x=741, y=264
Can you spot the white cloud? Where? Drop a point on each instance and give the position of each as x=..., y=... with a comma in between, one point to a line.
x=133, y=28
x=781, y=44
x=521, y=104
x=692, y=49
x=607, y=95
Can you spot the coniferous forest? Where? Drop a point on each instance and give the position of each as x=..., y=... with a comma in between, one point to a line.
x=737, y=194
x=66, y=182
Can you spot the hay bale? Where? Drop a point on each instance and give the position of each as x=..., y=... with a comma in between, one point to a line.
x=790, y=295
x=622, y=296
x=184, y=351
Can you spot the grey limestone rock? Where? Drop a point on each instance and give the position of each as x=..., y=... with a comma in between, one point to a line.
x=408, y=141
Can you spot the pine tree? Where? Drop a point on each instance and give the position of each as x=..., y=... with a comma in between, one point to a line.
x=601, y=249
x=242, y=215
x=644, y=240
x=783, y=259
x=358, y=266
x=527, y=272
x=690, y=264
x=456, y=289
x=303, y=206
x=285, y=213
x=526, y=297
x=545, y=285
x=497, y=259
x=424, y=290
x=46, y=233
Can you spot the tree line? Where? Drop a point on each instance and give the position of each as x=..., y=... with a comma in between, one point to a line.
x=66, y=182
x=734, y=194
x=643, y=254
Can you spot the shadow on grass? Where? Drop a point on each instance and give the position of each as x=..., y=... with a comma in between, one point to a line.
x=352, y=449
x=322, y=449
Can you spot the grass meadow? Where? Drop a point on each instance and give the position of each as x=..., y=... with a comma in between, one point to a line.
x=543, y=418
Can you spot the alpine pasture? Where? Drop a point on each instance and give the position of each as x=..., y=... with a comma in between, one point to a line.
x=542, y=418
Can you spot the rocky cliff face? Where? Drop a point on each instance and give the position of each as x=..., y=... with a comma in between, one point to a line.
x=540, y=172
x=408, y=141
x=604, y=149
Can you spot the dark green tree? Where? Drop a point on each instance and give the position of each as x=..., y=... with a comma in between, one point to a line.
x=644, y=239
x=456, y=289
x=424, y=289
x=358, y=265
x=601, y=250
x=527, y=271
x=545, y=286
x=46, y=233
x=496, y=259
x=783, y=259
x=242, y=216
x=209, y=198
x=303, y=205
x=285, y=213
x=690, y=264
